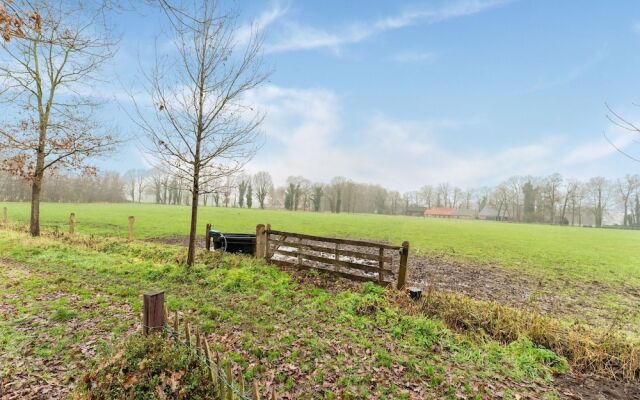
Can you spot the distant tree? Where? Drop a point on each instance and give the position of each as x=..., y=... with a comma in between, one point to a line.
x=242, y=189
x=624, y=189
x=132, y=178
x=529, y=194
x=598, y=190
x=316, y=197
x=426, y=195
x=263, y=186
x=337, y=187
x=249, y=196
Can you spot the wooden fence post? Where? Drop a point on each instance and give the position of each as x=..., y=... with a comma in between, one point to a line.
x=402, y=272
x=260, y=241
x=266, y=242
x=381, y=265
x=132, y=219
x=153, y=312
x=5, y=216
x=207, y=237
x=72, y=223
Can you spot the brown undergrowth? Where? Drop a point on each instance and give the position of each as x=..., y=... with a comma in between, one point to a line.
x=605, y=352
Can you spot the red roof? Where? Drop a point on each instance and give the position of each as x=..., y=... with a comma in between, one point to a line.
x=439, y=211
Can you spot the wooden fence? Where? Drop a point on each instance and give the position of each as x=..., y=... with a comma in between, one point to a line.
x=353, y=259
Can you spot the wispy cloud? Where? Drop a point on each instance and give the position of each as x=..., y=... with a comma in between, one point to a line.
x=262, y=22
x=294, y=36
x=573, y=74
x=306, y=127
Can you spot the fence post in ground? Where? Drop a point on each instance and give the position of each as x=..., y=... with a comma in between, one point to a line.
x=207, y=237
x=5, y=216
x=381, y=265
x=260, y=241
x=266, y=242
x=132, y=219
x=153, y=312
x=72, y=223
x=402, y=272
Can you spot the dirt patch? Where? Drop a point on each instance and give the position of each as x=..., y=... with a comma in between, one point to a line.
x=178, y=240
x=593, y=387
x=579, y=301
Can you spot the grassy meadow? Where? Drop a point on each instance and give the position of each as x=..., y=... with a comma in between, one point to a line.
x=573, y=253
x=66, y=300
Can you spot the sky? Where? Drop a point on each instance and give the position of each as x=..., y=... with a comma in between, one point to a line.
x=405, y=94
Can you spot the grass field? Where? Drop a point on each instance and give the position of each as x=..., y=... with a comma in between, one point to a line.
x=64, y=300
x=576, y=254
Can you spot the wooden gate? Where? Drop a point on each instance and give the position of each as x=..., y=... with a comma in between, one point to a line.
x=354, y=259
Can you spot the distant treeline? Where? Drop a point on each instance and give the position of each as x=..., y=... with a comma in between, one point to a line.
x=551, y=199
x=106, y=187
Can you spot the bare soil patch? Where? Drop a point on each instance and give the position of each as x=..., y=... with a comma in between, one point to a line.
x=578, y=301
x=593, y=387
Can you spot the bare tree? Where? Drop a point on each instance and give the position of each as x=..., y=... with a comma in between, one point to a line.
x=131, y=178
x=263, y=184
x=201, y=129
x=48, y=122
x=624, y=189
x=598, y=190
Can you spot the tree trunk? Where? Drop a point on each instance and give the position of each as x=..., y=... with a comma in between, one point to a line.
x=36, y=189
x=191, y=254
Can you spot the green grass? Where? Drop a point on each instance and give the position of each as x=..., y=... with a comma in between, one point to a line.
x=573, y=253
x=66, y=298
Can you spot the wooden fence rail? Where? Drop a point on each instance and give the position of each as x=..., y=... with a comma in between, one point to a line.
x=354, y=259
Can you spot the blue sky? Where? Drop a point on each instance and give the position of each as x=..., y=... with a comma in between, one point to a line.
x=411, y=93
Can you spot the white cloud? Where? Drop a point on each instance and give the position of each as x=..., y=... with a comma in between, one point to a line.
x=264, y=20
x=306, y=135
x=294, y=36
x=593, y=151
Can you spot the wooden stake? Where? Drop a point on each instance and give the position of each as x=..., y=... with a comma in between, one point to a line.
x=207, y=237
x=241, y=378
x=187, y=332
x=132, y=219
x=72, y=223
x=229, y=382
x=260, y=242
x=266, y=243
x=176, y=322
x=5, y=216
x=273, y=395
x=153, y=312
x=212, y=366
x=256, y=390
x=402, y=272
